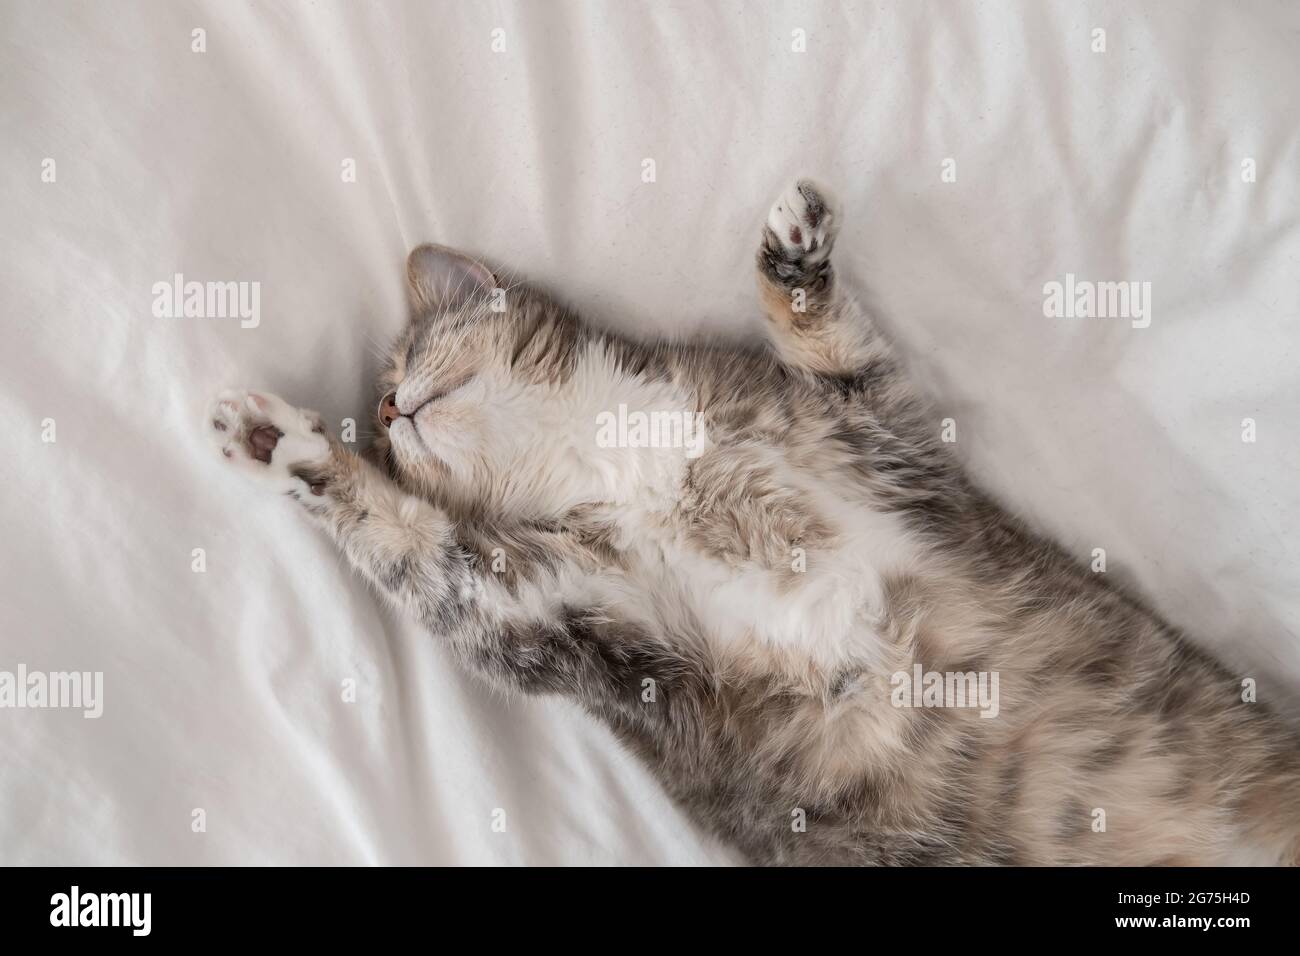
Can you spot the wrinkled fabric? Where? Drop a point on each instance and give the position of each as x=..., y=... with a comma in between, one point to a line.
x=260, y=705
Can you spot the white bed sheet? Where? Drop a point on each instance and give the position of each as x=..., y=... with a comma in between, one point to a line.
x=222, y=689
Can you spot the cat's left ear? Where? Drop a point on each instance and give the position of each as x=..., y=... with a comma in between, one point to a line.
x=439, y=277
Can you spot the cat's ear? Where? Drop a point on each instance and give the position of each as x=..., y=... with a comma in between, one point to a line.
x=439, y=277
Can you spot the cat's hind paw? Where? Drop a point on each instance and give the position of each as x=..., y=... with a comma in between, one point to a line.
x=267, y=438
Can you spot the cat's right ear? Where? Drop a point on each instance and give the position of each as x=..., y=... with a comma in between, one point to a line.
x=440, y=278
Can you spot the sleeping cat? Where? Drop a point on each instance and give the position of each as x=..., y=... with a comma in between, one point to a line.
x=764, y=571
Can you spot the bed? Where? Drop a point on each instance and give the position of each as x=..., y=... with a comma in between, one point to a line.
x=259, y=704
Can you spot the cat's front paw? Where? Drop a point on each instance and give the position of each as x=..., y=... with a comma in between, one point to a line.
x=801, y=225
x=269, y=439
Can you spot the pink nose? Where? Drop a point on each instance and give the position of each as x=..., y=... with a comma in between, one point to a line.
x=388, y=412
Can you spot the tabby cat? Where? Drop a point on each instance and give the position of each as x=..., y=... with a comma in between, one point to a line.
x=765, y=571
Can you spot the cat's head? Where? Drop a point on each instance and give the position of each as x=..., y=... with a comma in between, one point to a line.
x=467, y=397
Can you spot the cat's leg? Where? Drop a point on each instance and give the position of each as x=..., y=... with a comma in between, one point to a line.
x=814, y=324
x=544, y=628
x=400, y=543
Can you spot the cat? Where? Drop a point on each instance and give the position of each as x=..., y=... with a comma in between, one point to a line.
x=783, y=615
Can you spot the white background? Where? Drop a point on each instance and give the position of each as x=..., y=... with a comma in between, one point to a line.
x=222, y=689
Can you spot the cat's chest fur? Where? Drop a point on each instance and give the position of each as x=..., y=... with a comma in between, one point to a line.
x=755, y=552
x=736, y=517
x=733, y=516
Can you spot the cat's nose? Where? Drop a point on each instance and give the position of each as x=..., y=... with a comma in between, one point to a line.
x=388, y=412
